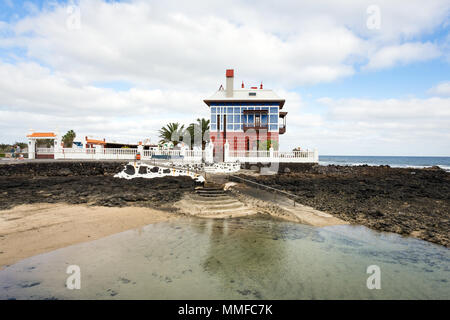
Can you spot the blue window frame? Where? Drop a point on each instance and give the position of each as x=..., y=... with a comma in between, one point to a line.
x=264, y=119
x=273, y=110
x=273, y=119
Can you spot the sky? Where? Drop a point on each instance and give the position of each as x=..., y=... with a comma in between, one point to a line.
x=359, y=77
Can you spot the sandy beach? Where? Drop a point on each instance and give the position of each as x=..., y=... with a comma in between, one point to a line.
x=28, y=230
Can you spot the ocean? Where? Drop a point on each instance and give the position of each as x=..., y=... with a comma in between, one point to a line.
x=404, y=162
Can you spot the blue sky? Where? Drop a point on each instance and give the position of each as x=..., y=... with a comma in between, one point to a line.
x=121, y=70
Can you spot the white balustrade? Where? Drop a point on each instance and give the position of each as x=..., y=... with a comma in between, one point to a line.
x=252, y=156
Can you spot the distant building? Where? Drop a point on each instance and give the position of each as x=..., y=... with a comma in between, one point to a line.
x=248, y=118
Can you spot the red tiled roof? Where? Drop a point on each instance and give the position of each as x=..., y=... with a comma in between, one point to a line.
x=42, y=135
x=93, y=141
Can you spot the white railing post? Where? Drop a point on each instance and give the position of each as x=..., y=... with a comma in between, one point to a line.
x=31, y=148
x=271, y=155
x=209, y=151
x=226, y=151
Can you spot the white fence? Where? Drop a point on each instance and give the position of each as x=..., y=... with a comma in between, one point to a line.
x=96, y=154
x=45, y=150
x=182, y=155
x=273, y=156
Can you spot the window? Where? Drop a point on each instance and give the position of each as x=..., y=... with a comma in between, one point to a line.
x=237, y=110
x=273, y=119
x=250, y=118
x=213, y=127
x=237, y=119
x=273, y=110
x=237, y=127
x=229, y=126
x=229, y=110
x=264, y=119
x=213, y=118
x=273, y=127
x=213, y=109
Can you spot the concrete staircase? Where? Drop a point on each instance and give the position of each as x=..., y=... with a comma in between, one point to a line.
x=211, y=201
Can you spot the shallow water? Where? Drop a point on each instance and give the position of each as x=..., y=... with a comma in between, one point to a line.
x=247, y=258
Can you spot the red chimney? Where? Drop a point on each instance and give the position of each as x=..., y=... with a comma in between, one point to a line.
x=242, y=85
x=230, y=82
x=261, y=86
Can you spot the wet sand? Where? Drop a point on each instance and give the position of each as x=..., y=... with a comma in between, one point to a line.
x=28, y=230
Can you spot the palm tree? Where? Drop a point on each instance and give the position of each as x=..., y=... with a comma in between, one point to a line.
x=68, y=138
x=199, y=129
x=172, y=132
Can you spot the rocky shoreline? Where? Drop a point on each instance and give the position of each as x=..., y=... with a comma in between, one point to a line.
x=411, y=202
x=89, y=183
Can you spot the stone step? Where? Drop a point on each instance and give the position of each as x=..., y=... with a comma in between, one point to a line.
x=231, y=205
x=212, y=200
x=209, y=191
x=227, y=210
x=211, y=195
x=231, y=214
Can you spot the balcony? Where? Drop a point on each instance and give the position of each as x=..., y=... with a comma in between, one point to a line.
x=260, y=126
x=282, y=126
x=255, y=112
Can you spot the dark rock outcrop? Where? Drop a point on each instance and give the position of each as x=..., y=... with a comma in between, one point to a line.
x=85, y=182
x=406, y=201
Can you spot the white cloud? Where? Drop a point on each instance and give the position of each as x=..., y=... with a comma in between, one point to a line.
x=375, y=127
x=172, y=54
x=32, y=97
x=441, y=89
x=406, y=53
